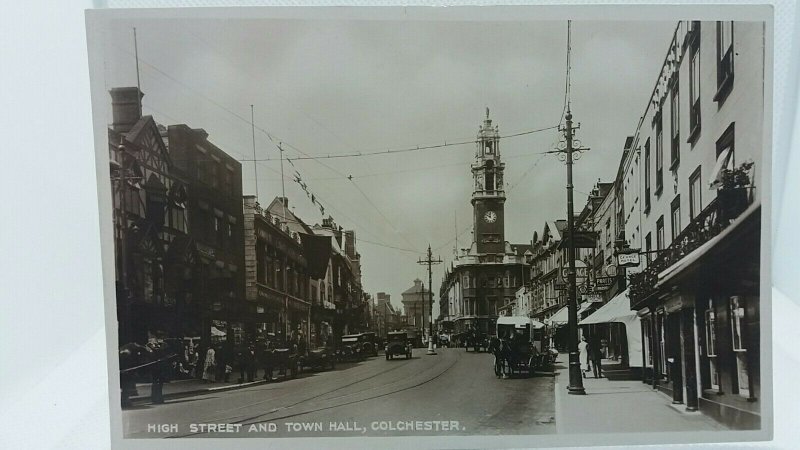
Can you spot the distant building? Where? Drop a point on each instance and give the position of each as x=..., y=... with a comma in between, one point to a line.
x=278, y=283
x=342, y=282
x=416, y=307
x=388, y=318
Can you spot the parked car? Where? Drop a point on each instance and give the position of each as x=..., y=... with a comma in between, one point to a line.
x=319, y=358
x=369, y=343
x=398, y=343
x=350, y=348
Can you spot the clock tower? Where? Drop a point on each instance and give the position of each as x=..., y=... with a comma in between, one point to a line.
x=488, y=194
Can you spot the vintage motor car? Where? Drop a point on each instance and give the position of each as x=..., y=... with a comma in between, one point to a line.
x=319, y=358
x=369, y=343
x=285, y=360
x=350, y=348
x=398, y=343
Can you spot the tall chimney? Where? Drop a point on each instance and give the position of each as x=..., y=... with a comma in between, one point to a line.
x=350, y=243
x=126, y=107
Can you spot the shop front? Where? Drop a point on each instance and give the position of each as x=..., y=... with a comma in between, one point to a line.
x=699, y=309
x=620, y=327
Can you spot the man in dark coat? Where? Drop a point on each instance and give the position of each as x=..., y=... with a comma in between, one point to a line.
x=595, y=356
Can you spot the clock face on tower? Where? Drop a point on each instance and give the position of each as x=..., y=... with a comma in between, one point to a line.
x=490, y=217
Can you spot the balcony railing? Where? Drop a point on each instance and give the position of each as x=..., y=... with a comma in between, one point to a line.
x=718, y=215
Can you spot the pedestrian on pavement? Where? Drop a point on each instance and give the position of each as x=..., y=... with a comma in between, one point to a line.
x=210, y=366
x=595, y=356
x=583, y=355
x=266, y=359
x=252, y=364
x=241, y=365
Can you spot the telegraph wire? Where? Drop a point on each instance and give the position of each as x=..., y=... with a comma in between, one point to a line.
x=391, y=224
x=400, y=150
x=253, y=125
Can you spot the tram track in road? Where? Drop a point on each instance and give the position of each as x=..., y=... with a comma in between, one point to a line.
x=260, y=418
x=250, y=421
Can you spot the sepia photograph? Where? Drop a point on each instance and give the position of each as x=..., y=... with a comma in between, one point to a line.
x=427, y=222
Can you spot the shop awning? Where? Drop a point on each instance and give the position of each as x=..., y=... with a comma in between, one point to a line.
x=618, y=310
x=562, y=315
x=671, y=271
x=520, y=322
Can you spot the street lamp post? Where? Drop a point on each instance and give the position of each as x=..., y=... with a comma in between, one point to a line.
x=575, y=376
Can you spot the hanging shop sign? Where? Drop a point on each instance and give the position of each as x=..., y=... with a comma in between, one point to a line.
x=592, y=298
x=603, y=283
x=628, y=259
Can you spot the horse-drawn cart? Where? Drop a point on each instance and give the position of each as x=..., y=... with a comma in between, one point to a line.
x=519, y=347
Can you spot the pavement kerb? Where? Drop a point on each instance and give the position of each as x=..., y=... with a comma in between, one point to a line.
x=558, y=407
x=209, y=390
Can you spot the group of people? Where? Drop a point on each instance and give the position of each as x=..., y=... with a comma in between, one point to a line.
x=591, y=356
x=247, y=359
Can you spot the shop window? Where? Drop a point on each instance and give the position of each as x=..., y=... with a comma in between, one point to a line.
x=739, y=348
x=711, y=346
x=662, y=343
x=648, y=355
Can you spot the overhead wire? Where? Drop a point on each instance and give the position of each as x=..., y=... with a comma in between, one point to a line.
x=271, y=137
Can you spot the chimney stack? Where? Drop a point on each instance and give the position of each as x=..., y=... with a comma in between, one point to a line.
x=126, y=106
x=350, y=244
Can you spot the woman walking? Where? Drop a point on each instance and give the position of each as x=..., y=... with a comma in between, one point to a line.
x=209, y=367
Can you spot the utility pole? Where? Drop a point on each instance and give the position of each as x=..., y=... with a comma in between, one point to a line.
x=429, y=261
x=255, y=162
x=283, y=183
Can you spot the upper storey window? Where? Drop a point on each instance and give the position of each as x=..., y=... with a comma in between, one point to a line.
x=488, y=148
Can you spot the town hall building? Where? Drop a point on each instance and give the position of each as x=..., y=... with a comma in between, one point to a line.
x=482, y=280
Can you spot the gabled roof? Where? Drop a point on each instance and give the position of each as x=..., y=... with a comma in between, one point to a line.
x=521, y=249
x=138, y=130
x=293, y=223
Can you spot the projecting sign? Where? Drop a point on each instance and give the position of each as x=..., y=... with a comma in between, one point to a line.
x=603, y=283
x=592, y=298
x=628, y=259
x=580, y=272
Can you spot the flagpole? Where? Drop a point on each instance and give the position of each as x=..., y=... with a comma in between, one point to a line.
x=283, y=183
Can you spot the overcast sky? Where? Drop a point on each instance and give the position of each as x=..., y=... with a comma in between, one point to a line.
x=333, y=86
